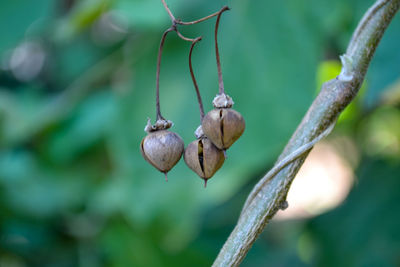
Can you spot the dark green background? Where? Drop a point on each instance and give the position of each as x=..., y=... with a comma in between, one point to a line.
x=74, y=189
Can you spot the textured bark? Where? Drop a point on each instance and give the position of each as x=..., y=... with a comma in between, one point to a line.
x=270, y=193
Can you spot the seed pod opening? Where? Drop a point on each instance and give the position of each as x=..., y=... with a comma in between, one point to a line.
x=162, y=149
x=223, y=126
x=203, y=158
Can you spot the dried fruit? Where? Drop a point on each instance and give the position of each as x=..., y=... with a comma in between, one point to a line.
x=201, y=155
x=223, y=125
x=203, y=158
x=161, y=148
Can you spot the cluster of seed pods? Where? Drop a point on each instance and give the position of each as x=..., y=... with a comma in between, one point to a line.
x=219, y=128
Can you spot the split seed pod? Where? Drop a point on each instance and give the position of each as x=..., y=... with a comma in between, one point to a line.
x=204, y=158
x=161, y=148
x=223, y=125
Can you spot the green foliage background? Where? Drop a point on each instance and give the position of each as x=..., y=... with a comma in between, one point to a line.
x=74, y=189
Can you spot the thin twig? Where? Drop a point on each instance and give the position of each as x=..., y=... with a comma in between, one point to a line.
x=174, y=27
x=220, y=79
x=169, y=11
x=176, y=22
x=269, y=194
x=185, y=38
x=201, y=108
x=202, y=19
x=160, y=49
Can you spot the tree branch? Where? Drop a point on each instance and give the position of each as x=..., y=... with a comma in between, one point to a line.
x=269, y=195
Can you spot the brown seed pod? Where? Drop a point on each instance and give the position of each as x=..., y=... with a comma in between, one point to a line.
x=223, y=126
x=203, y=158
x=162, y=149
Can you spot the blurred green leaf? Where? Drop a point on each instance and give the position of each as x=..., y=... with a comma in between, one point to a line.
x=71, y=169
x=17, y=17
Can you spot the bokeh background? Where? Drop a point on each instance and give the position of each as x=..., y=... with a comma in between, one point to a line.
x=77, y=83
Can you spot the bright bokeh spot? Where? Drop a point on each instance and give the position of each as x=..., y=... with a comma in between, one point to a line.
x=322, y=183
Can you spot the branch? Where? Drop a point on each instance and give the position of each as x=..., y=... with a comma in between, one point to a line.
x=196, y=86
x=175, y=22
x=269, y=195
x=160, y=49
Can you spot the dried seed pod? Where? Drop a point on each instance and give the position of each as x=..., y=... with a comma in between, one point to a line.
x=223, y=126
x=203, y=158
x=161, y=148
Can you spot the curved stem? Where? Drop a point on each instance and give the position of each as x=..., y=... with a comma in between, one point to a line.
x=202, y=19
x=201, y=108
x=220, y=79
x=174, y=27
x=184, y=38
x=363, y=23
x=176, y=22
x=158, y=110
